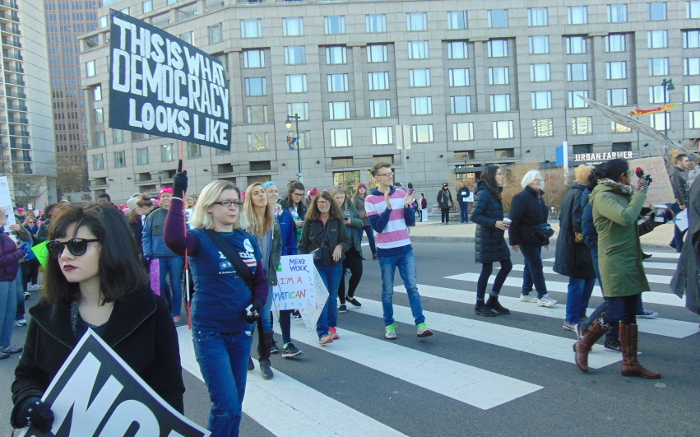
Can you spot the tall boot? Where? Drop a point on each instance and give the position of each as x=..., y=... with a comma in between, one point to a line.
x=264, y=356
x=628, y=342
x=582, y=347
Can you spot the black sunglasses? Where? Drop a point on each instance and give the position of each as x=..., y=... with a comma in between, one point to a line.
x=76, y=246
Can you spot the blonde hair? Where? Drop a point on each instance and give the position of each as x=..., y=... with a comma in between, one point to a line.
x=339, y=189
x=201, y=218
x=530, y=177
x=249, y=219
x=582, y=172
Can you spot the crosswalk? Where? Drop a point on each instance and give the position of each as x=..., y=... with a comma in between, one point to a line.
x=296, y=405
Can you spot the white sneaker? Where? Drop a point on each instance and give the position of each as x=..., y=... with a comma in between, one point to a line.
x=546, y=301
x=528, y=298
x=34, y=287
x=648, y=314
x=21, y=322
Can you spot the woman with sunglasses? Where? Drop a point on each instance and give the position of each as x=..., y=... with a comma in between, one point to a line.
x=324, y=235
x=220, y=331
x=93, y=280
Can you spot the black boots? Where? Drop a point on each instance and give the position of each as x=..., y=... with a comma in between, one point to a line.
x=482, y=310
x=264, y=354
x=495, y=305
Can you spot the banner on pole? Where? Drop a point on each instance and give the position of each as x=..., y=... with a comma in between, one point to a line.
x=295, y=283
x=161, y=85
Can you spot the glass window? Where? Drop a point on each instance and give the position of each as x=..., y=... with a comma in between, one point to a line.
x=215, y=33
x=498, y=48
x=336, y=55
x=167, y=152
x=462, y=131
x=104, y=21
x=98, y=162
x=422, y=133
x=616, y=70
x=537, y=17
x=147, y=6
x=503, y=129
x=421, y=105
x=251, y=28
x=658, y=66
x=617, y=97
x=419, y=77
x=341, y=138
x=543, y=127
x=258, y=142
x=460, y=104
x=577, y=102
x=418, y=50
x=692, y=9
x=656, y=11
x=577, y=71
x=500, y=102
x=615, y=42
x=99, y=116
x=254, y=58
x=457, y=20
x=656, y=94
x=617, y=128
x=540, y=73
x=97, y=93
x=578, y=15
x=255, y=86
x=293, y=26
x=377, y=53
x=120, y=159
x=142, y=156
x=337, y=82
x=117, y=136
x=334, y=25
x=339, y=110
x=575, y=44
x=382, y=135
x=581, y=125
x=694, y=119
x=459, y=76
x=457, y=50
x=417, y=21
x=296, y=83
x=660, y=121
x=300, y=108
x=187, y=37
x=539, y=45
x=90, y=68
x=617, y=13
x=294, y=55
x=692, y=93
x=541, y=99
x=375, y=23
x=379, y=108
x=498, y=17
x=194, y=150
x=256, y=114
x=691, y=39
x=498, y=76
x=99, y=139
x=378, y=80
x=657, y=39
x=691, y=66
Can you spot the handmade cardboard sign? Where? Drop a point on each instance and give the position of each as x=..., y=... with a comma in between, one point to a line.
x=295, y=283
x=660, y=189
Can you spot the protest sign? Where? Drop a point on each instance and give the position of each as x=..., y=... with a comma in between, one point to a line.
x=310, y=315
x=161, y=85
x=6, y=201
x=295, y=279
x=95, y=393
x=660, y=189
x=41, y=252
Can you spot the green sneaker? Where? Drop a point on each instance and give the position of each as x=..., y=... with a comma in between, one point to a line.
x=423, y=330
x=390, y=332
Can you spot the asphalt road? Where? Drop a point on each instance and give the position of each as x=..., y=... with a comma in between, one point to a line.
x=509, y=375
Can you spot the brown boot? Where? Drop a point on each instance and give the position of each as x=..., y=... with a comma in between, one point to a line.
x=630, y=365
x=582, y=347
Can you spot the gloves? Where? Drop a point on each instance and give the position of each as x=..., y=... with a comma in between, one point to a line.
x=644, y=183
x=255, y=310
x=257, y=304
x=180, y=184
x=35, y=413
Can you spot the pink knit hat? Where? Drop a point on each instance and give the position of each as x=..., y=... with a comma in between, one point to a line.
x=165, y=190
x=313, y=192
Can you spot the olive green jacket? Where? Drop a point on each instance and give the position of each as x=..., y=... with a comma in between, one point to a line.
x=615, y=215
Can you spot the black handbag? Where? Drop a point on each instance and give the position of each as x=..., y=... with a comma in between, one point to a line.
x=543, y=231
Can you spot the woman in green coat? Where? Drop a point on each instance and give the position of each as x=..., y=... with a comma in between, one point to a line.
x=616, y=207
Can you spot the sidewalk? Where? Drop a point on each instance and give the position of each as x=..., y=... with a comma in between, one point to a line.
x=434, y=231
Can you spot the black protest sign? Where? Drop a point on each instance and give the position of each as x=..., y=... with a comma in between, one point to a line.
x=160, y=85
x=95, y=393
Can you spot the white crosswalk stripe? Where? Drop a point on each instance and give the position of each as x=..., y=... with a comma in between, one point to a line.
x=647, y=264
x=658, y=279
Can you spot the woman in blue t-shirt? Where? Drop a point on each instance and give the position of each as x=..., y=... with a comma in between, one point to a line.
x=220, y=331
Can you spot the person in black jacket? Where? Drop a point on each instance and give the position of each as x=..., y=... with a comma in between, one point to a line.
x=444, y=199
x=93, y=280
x=490, y=245
x=527, y=211
x=572, y=257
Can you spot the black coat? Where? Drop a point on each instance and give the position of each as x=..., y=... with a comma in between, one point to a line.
x=140, y=330
x=572, y=259
x=444, y=199
x=526, y=211
x=487, y=209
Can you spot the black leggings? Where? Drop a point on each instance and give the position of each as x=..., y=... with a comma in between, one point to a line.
x=352, y=261
x=30, y=271
x=445, y=215
x=486, y=270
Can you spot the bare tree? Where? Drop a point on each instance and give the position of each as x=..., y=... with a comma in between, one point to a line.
x=71, y=175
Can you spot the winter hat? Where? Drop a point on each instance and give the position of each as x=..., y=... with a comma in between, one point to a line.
x=268, y=183
x=131, y=203
x=362, y=186
x=313, y=192
x=165, y=190
x=19, y=210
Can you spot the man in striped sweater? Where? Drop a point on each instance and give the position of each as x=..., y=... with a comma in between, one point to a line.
x=389, y=213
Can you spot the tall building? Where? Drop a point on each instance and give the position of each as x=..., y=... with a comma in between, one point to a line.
x=26, y=132
x=475, y=85
x=65, y=20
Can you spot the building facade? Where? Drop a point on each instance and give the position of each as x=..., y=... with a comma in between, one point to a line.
x=474, y=85
x=27, y=156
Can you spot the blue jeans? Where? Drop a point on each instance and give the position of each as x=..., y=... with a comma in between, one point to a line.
x=622, y=309
x=19, y=279
x=329, y=315
x=223, y=360
x=8, y=310
x=370, y=237
x=678, y=237
x=577, y=300
x=613, y=336
x=407, y=269
x=172, y=266
x=534, y=271
x=464, y=212
x=265, y=311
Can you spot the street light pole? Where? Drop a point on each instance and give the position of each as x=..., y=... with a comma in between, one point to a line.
x=160, y=179
x=288, y=125
x=668, y=86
